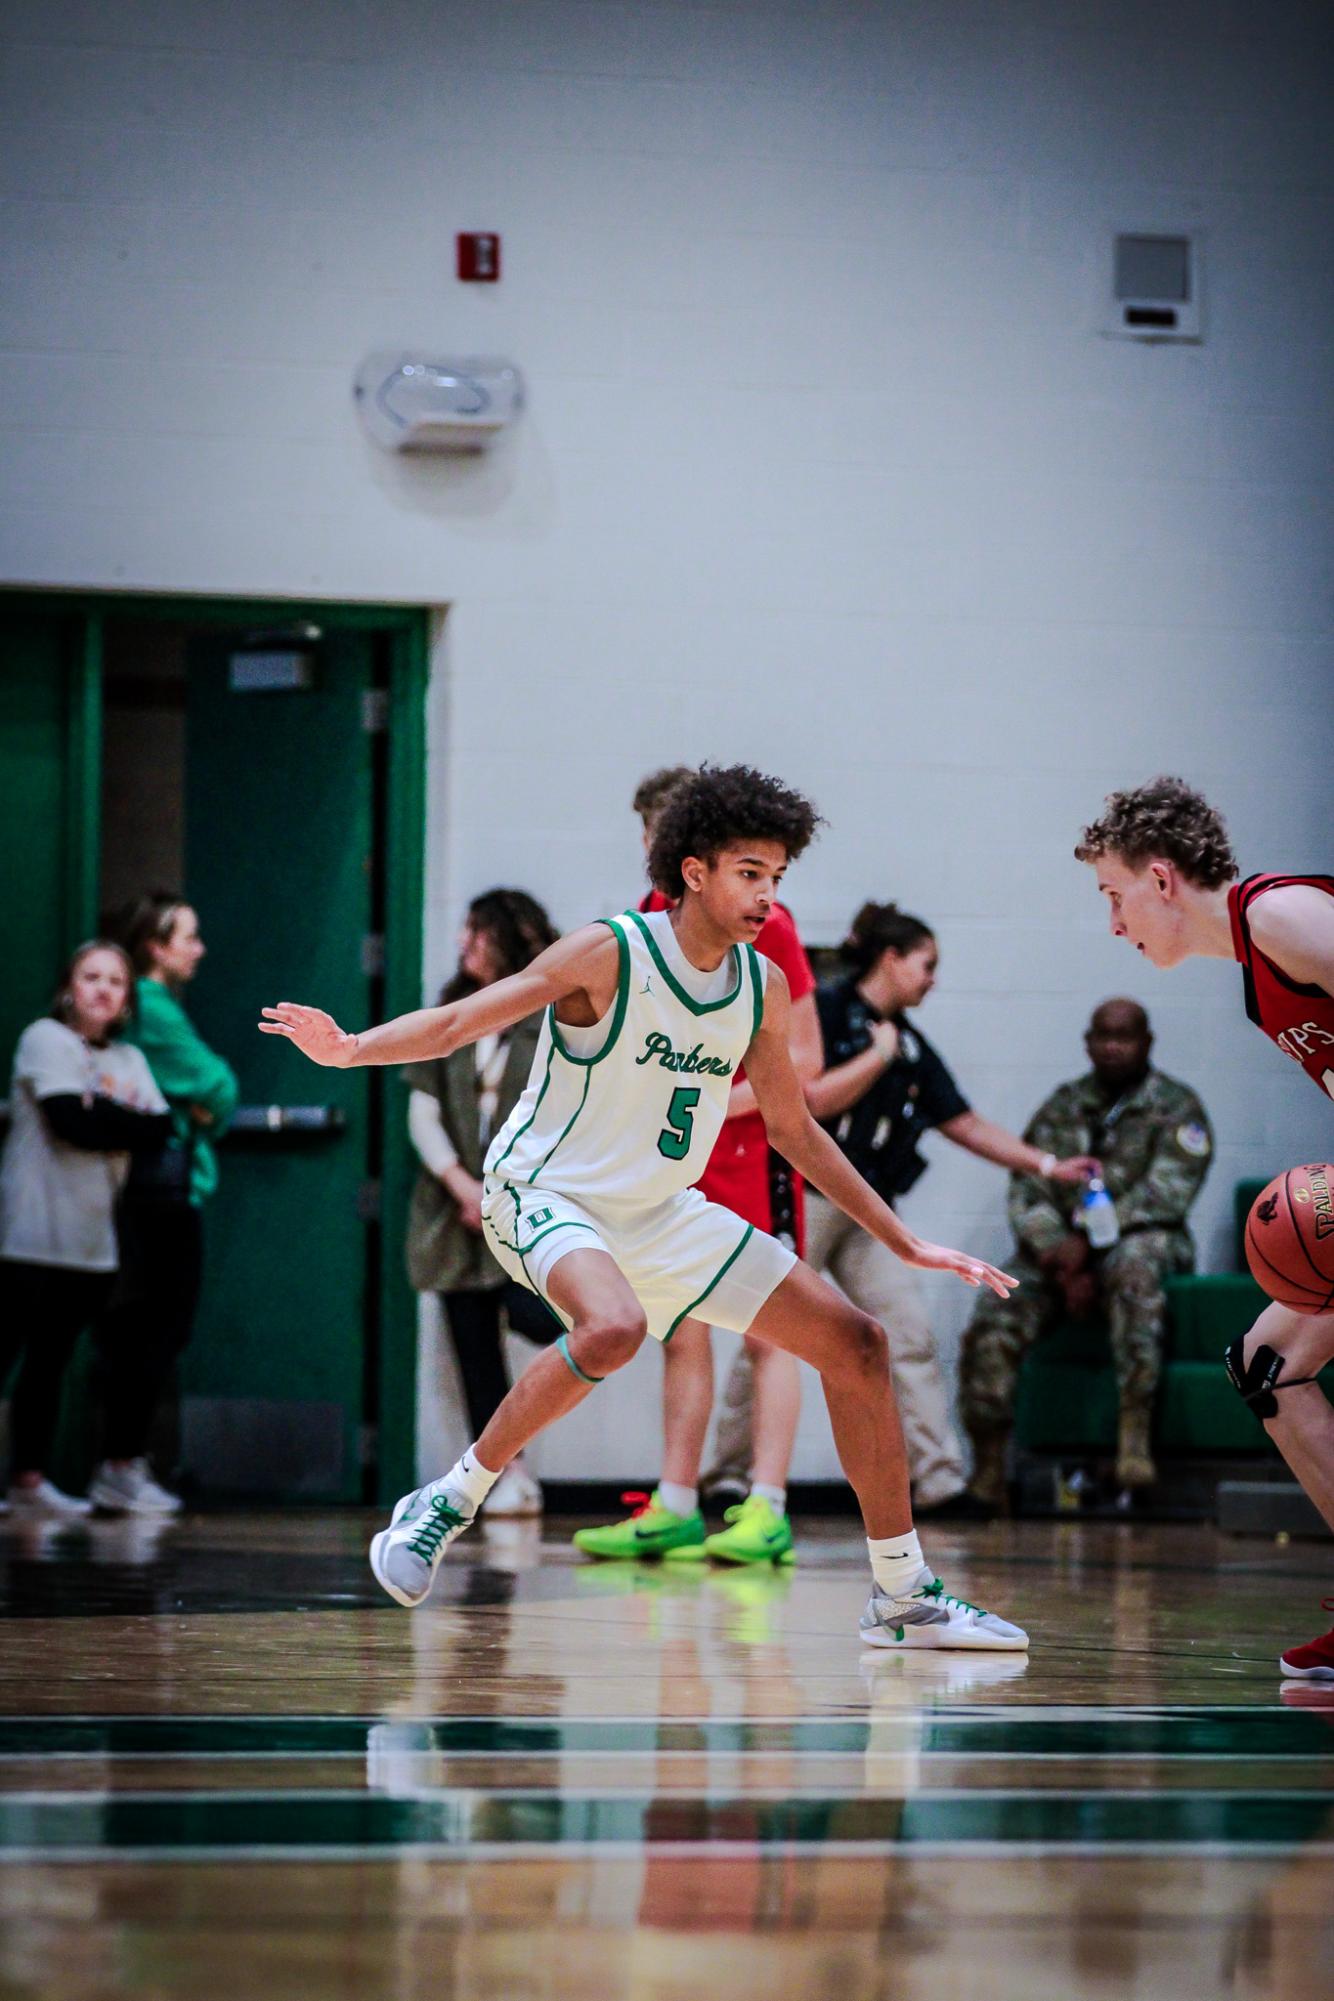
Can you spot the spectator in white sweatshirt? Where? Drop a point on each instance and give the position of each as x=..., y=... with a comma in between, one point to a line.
x=82, y=1101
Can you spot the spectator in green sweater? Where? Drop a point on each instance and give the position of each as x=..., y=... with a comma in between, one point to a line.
x=152, y=1312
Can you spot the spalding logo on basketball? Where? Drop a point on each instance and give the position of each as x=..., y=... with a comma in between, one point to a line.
x=1290, y=1238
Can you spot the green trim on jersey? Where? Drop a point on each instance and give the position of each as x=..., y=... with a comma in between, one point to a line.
x=585, y=1062
x=721, y=1273
x=588, y=1078
x=753, y=960
x=696, y=1007
x=551, y=1053
x=618, y=1016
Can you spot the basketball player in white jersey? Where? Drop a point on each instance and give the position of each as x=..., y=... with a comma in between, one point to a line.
x=588, y=1197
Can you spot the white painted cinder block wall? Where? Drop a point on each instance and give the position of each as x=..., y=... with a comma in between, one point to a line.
x=826, y=465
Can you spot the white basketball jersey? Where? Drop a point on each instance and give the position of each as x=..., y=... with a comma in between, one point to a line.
x=635, y=1122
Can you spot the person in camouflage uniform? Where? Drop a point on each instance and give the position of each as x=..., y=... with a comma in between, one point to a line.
x=1153, y=1137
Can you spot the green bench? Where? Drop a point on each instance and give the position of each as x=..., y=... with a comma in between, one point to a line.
x=1066, y=1400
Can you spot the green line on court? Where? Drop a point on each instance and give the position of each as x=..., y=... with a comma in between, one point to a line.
x=1220, y=1732
x=49, y=1824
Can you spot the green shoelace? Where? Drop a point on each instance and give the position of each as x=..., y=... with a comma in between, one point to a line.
x=937, y=1591
x=431, y=1529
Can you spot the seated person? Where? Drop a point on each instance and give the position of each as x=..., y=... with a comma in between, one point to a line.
x=1153, y=1137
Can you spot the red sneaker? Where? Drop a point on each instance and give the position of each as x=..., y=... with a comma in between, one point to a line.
x=1314, y=1661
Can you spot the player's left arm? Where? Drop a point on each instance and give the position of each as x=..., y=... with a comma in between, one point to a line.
x=584, y=961
x=805, y=1046
x=1294, y=926
x=812, y=1152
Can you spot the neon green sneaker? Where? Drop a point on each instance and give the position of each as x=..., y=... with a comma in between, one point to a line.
x=651, y=1530
x=756, y=1535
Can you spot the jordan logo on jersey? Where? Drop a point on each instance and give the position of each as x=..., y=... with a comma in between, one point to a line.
x=690, y=1062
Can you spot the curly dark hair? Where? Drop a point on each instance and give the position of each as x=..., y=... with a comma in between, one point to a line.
x=517, y=926
x=1164, y=819
x=879, y=928
x=716, y=807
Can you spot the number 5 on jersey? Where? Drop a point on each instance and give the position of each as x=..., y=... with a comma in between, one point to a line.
x=674, y=1139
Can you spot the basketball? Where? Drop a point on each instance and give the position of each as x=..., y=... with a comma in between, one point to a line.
x=1290, y=1238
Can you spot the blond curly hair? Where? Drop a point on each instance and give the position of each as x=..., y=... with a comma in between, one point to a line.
x=1163, y=820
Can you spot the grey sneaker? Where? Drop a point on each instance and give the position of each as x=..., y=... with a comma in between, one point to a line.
x=130, y=1490
x=46, y=1499
x=422, y=1526
x=930, y=1617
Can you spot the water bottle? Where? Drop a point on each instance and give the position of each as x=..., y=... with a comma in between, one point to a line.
x=1097, y=1215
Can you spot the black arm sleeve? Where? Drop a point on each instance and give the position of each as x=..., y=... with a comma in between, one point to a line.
x=103, y=1126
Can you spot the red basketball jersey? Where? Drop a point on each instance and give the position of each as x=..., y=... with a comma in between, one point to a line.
x=1300, y=1019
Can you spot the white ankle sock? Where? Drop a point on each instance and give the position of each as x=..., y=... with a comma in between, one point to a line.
x=897, y=1564
x=469, y=1476
x=681, y=1500
x=775, y=1496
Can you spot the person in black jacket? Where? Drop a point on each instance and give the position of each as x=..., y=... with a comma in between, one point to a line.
x=82, y=1101
x=882, y=1089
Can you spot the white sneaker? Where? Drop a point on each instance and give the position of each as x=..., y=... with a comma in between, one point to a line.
x=421, y=1528
x=516, y=1494
x=46, y=1499
x=130, y=1490
x=930, y=1617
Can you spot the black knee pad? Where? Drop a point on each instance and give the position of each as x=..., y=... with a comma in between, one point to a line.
x=1257, y=1381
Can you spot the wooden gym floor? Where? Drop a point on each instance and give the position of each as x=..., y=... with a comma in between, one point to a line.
x=230, y=1766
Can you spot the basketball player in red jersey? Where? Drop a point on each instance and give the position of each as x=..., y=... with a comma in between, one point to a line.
x=744, y=1174
x=1166, y=867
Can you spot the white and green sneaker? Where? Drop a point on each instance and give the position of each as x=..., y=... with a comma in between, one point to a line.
x=422, y=1526
x=930, y=1617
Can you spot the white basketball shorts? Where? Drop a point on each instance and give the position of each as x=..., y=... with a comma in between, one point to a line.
x=681, y=1257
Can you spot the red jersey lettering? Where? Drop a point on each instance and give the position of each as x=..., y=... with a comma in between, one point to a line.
x=1300, y=1019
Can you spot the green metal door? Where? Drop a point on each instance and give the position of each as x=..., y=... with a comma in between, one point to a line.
x=48, y=803
x=280, y=865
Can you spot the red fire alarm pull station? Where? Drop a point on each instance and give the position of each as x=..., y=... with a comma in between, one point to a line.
x=479, y=257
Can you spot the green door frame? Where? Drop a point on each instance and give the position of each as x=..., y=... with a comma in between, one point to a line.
x=83, y=792
x=405, y=877
x=409, y=628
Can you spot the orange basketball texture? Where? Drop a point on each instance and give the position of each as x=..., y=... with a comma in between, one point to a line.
x=1290, y=1238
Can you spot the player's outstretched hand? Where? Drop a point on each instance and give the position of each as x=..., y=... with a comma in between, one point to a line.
x=315, y=1033
x=973, y=1271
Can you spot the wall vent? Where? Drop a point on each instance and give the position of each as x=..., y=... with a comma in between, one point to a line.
x=1155, y=287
